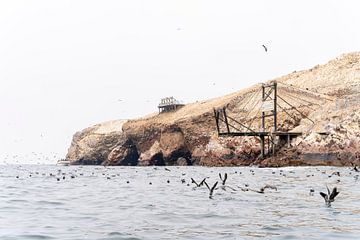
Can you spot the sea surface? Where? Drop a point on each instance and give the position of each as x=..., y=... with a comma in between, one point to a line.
x=88, y=202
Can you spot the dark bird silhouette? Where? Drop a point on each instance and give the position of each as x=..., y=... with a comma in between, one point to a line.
x=265, y=48
x=355, y=167
x=311, y=192
x=330, y=197
x=211, y=189
x=262, y=190
x=223, y=180
x=244, y=189
x=200, y=184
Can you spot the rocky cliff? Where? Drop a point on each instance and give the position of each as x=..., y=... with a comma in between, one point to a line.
x=323, y=103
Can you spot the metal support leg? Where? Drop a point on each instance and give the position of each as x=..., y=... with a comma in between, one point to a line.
x=262, y=145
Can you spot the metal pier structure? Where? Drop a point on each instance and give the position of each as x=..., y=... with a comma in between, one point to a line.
x=268, y=132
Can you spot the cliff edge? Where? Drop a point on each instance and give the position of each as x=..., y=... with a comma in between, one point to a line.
x=323, y=103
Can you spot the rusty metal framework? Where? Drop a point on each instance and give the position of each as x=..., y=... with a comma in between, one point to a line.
x=268, y=138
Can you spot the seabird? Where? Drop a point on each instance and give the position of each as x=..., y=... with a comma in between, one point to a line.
x=198, y=185
x=265, y=48
x=223, y=180
x=262, y=190
x=311, y=192
x=211, y=189
x=330, y=197
x=355, y=168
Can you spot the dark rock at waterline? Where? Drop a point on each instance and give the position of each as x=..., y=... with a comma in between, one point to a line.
x=125, y=154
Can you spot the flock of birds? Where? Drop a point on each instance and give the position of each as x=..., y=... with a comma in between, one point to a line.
x=33, y=158
x=221, y=184
x=329, y=197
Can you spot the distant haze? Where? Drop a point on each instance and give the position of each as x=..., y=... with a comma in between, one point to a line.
x=66, y=65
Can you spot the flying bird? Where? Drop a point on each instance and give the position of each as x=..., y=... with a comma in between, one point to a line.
x=330, y=197
x=201, y=183
x=223, y=180
x=265, y=48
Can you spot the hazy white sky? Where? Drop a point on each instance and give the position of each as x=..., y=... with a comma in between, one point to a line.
x=64, y=65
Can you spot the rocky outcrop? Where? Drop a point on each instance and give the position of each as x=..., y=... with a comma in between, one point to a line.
x=325, y=107
x=168, y=149
x=93, y=145
x=124, y=154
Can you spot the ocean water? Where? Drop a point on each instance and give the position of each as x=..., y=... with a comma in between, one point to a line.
x=155, y=203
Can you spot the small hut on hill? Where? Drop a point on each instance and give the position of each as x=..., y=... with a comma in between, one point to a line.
x=169, y=104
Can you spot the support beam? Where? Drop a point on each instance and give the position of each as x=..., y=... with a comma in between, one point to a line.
x=268, y=135
x=262, y=146
x=275, y=106
x=288, y=141
x=226, y=121
x=216, y=113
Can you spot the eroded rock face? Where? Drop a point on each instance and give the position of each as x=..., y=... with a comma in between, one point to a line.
x=93, y=145
x=189, y=135
x=339, y=142
x=124, y=154
x=170, y=146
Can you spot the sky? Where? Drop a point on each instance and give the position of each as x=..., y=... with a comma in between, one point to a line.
x=67, y=65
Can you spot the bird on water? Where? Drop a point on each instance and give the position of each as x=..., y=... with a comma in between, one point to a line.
x=355, y=167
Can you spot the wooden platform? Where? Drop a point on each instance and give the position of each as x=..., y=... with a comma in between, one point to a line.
x=169, y=104
x=258, y=134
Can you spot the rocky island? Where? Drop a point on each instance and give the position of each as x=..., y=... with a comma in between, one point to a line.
x=322, y=103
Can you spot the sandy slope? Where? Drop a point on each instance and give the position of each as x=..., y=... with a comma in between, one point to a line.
x=324, y=96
